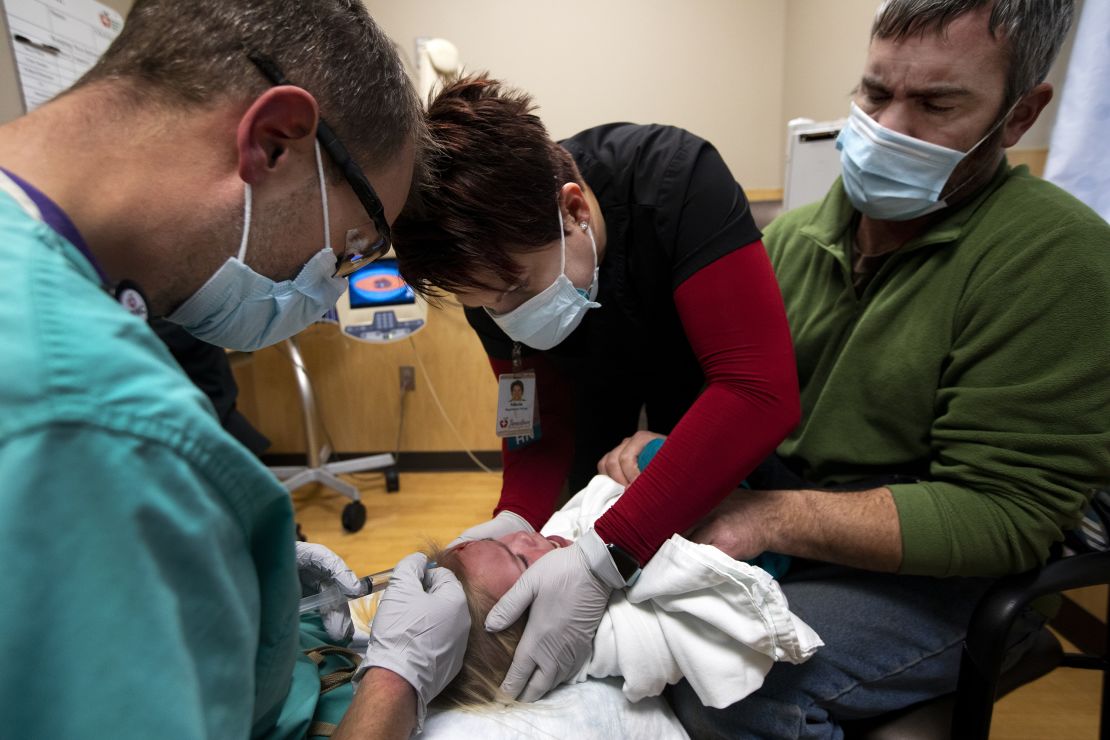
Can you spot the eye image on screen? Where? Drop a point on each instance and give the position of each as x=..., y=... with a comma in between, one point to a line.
x=379, y=284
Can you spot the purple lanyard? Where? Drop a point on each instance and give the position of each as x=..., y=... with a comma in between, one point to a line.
x=54, y=217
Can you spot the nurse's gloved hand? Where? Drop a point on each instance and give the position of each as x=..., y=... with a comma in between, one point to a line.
x=317, y=566
x=419, y=630
x=567, y=590
x=506, y=522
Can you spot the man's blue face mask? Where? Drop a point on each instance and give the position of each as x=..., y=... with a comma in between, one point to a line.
x=893, y=177
x=239, y=309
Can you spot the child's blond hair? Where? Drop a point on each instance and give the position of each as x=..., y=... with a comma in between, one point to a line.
x=488, y=654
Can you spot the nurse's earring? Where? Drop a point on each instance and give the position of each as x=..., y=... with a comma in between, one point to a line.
x=583, y=225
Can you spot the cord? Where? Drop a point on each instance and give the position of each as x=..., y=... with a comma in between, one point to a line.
x=400, y=426
x=401, y=422
x=443, y=411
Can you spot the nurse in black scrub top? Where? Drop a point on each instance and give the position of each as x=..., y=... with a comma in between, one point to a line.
x=623, y=269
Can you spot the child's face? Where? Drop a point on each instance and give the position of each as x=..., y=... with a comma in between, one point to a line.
x=495, y=565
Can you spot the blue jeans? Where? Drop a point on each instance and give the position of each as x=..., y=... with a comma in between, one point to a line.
x=890, y=641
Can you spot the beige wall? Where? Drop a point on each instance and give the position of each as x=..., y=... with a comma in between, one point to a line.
x=826, y=45
x=358, y=390
x=711, y=66
x=733, y=71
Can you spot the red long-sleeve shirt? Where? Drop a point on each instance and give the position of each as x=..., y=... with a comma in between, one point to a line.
x=733, y=316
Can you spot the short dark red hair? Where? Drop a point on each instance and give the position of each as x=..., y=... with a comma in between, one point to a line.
x=492, y=189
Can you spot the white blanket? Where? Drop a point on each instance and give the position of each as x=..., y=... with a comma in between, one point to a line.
x=693, y=613
x=594, y=710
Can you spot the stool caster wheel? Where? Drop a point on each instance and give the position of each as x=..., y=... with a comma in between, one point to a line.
x=354, y=516
x=392, y=480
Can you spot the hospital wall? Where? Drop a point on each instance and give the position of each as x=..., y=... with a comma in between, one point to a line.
x=711, y=66
x=585, y=63
x=733, y=71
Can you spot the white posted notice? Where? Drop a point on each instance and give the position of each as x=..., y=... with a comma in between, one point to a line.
x=57, y=41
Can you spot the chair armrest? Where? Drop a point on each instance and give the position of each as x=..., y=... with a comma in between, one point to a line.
x=985, y=646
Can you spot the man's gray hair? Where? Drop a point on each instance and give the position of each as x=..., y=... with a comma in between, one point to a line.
x=195, y=54
x=1033, y=29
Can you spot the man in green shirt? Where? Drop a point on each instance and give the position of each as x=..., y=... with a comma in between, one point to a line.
x=150, y=578
x=951, y=319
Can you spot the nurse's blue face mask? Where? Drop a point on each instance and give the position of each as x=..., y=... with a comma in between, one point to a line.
x=240, y=309
x=549, y=317
x=893, y=177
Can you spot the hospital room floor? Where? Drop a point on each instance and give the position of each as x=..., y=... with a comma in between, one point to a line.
x=434, y=507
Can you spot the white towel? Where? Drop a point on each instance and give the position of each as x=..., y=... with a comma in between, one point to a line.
x=693, y=613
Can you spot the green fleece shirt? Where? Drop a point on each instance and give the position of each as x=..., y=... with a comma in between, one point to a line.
x=976, y=360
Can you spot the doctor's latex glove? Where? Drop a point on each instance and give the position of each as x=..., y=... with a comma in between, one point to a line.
x=567, y=591
x=420, y=628
x=317, y=566
x=620, y=463
x=506, y=522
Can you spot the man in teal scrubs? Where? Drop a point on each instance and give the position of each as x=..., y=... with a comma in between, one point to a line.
x=150, y=583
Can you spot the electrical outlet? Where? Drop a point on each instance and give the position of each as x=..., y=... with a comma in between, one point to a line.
x=408, y=378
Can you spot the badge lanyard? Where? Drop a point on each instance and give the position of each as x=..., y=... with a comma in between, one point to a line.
x=518, y=417
x=126, y=292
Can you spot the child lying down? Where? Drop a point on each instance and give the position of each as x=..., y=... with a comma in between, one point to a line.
x=694, y=613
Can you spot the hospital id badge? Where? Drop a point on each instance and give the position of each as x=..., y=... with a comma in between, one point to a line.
x=516, y=404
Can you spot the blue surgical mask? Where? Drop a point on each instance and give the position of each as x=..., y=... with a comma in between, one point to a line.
x=893, y=177
x=240, y=309
x=549, y=317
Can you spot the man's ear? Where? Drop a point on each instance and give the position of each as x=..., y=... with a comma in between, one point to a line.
x=574, y=202
x=279, y=117
x=1025, y=114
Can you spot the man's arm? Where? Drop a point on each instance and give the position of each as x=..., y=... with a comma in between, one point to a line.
x=997, y=383
x=384, y=708
x=858, y=528
x=419, y=637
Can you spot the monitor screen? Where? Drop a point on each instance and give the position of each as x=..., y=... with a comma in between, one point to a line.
x=379, y=284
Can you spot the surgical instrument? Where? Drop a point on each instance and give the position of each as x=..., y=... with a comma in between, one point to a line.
x=332, y=597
